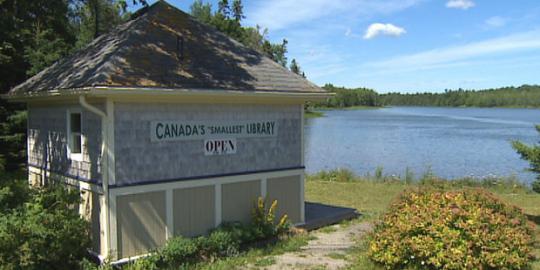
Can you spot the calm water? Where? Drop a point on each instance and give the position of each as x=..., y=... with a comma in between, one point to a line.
x=453, y=142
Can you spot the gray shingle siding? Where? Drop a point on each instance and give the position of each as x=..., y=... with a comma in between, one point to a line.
x=47, y=142
x=140, y=160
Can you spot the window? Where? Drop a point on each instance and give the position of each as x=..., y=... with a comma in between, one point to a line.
x=75, y=140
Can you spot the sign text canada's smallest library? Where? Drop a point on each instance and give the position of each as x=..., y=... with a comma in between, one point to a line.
x=179, y=130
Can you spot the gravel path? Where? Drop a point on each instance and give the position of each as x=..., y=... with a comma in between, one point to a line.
x=327, y=251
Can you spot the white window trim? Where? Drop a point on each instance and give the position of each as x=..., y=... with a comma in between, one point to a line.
x=74, y=156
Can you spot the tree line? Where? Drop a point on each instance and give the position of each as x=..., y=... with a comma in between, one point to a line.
x=522, y=96
x=525, y=96
x=35, y=34
x=349, y=97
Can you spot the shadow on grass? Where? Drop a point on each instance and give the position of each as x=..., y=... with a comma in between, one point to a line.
x=533, y=218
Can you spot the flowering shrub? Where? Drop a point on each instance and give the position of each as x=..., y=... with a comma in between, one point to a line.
x=263, y=220
x=465, y=229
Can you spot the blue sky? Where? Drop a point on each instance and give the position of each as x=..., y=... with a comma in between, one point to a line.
x=406, y=45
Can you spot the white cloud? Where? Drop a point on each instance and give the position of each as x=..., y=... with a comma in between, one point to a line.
x=280, y=14
x=496, y=21
x=388, y=29
x=457, y=54
x=461, y=4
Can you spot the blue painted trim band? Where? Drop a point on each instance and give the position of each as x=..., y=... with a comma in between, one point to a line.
x=151, y=182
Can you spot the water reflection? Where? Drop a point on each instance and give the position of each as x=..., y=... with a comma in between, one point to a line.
x=453, y=142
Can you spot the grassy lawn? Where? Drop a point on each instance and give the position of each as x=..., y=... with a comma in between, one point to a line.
x=257, y=257
x=372, y=198
x=313, y=114
x=369, y=197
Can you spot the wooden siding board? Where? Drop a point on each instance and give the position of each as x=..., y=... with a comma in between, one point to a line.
x=193, y=210
x=286, y=190
x=141, y=223
x=238, y=199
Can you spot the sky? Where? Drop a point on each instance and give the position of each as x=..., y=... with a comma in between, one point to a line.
x=405, y=45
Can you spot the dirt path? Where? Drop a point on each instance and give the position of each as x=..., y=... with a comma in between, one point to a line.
x=327, y=251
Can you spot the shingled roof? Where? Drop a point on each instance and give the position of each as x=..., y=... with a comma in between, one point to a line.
x=166, y=48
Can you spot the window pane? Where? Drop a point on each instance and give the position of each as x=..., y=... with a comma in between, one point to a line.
x=76, y=143
x=75, y=122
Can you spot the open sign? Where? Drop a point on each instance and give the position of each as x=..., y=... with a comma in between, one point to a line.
x=219, y=147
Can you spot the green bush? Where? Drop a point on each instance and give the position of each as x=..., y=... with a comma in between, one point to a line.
x=244, y=232
x=463, y=229
x=222, y=243
x=45, y=232
x=13, y=192
x=180, y=250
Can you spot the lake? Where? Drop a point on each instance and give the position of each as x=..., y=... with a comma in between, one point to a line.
x=453, y=142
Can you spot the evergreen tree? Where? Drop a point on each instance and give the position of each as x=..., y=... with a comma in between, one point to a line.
x=102, y=14
x=531, y=153
x=237, y=10
x=34, y=35
x=28, y=26
x=294, y=67
x=96, y=17
x=223, y=8
x=47, y=48
x=13, y=141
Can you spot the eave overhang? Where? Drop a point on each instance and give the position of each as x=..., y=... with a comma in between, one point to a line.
x=171, y=95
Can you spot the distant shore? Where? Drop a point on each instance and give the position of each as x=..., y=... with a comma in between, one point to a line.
x=319, y=111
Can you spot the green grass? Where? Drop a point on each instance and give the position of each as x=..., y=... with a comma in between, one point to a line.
x=368, y=197
x=359, y=107
x=313, y=114
x=265, y=261
x=372, y=197
x=258, y=257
